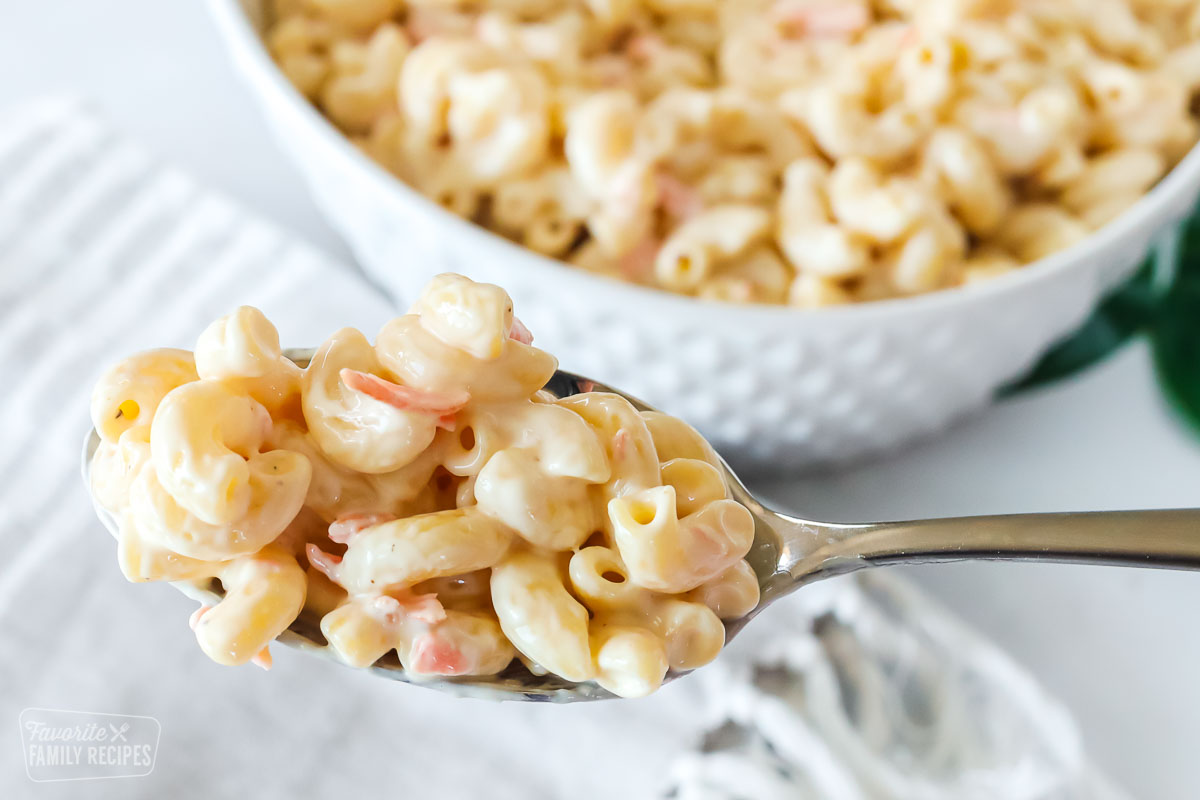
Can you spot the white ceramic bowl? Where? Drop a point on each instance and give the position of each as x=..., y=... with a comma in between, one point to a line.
x=769, y=385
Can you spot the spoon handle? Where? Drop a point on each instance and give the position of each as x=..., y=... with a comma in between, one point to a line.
x=1168, y=538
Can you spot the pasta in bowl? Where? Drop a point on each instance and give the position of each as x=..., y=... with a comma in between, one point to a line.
x=421, y=496
x=811, y=152
x=827, y=379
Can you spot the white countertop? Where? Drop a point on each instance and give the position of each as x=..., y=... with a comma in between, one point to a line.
x=1116, y=645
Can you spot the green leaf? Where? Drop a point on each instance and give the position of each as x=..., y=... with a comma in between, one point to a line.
x=1187, y=254
x=1175, y=334
x=1175, y=340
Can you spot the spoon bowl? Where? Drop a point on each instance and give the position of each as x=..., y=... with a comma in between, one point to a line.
x=789, y=552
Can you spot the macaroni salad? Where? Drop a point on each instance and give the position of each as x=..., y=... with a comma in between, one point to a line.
x=812, y=152
x=423, y=495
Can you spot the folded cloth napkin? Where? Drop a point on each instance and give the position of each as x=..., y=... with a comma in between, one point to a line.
x=103, y=253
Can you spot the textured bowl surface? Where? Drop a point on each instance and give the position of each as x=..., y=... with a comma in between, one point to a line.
x=771, y=386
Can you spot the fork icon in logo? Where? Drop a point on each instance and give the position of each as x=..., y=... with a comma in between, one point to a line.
x=118, y=734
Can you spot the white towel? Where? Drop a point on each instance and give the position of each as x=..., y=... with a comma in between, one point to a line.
x=103, y=253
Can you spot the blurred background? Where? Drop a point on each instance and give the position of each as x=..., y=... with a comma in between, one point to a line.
x=1119, y=648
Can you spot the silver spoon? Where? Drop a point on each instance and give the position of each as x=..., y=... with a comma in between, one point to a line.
x=790, y=552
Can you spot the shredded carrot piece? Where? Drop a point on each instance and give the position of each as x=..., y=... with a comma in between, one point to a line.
x=404, y=604
x=346, y=526
x=405, y=398
x=325, y=563
x=423, y=607
x=433, y=655
x=823, y=20
x=677, y=198
x=263, y=658
x=519, y=333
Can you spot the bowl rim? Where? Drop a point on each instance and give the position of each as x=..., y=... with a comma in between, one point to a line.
x=240, y=32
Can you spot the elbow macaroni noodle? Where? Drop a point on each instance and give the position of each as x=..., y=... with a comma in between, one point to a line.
x=811, y=152
x=423, y=495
